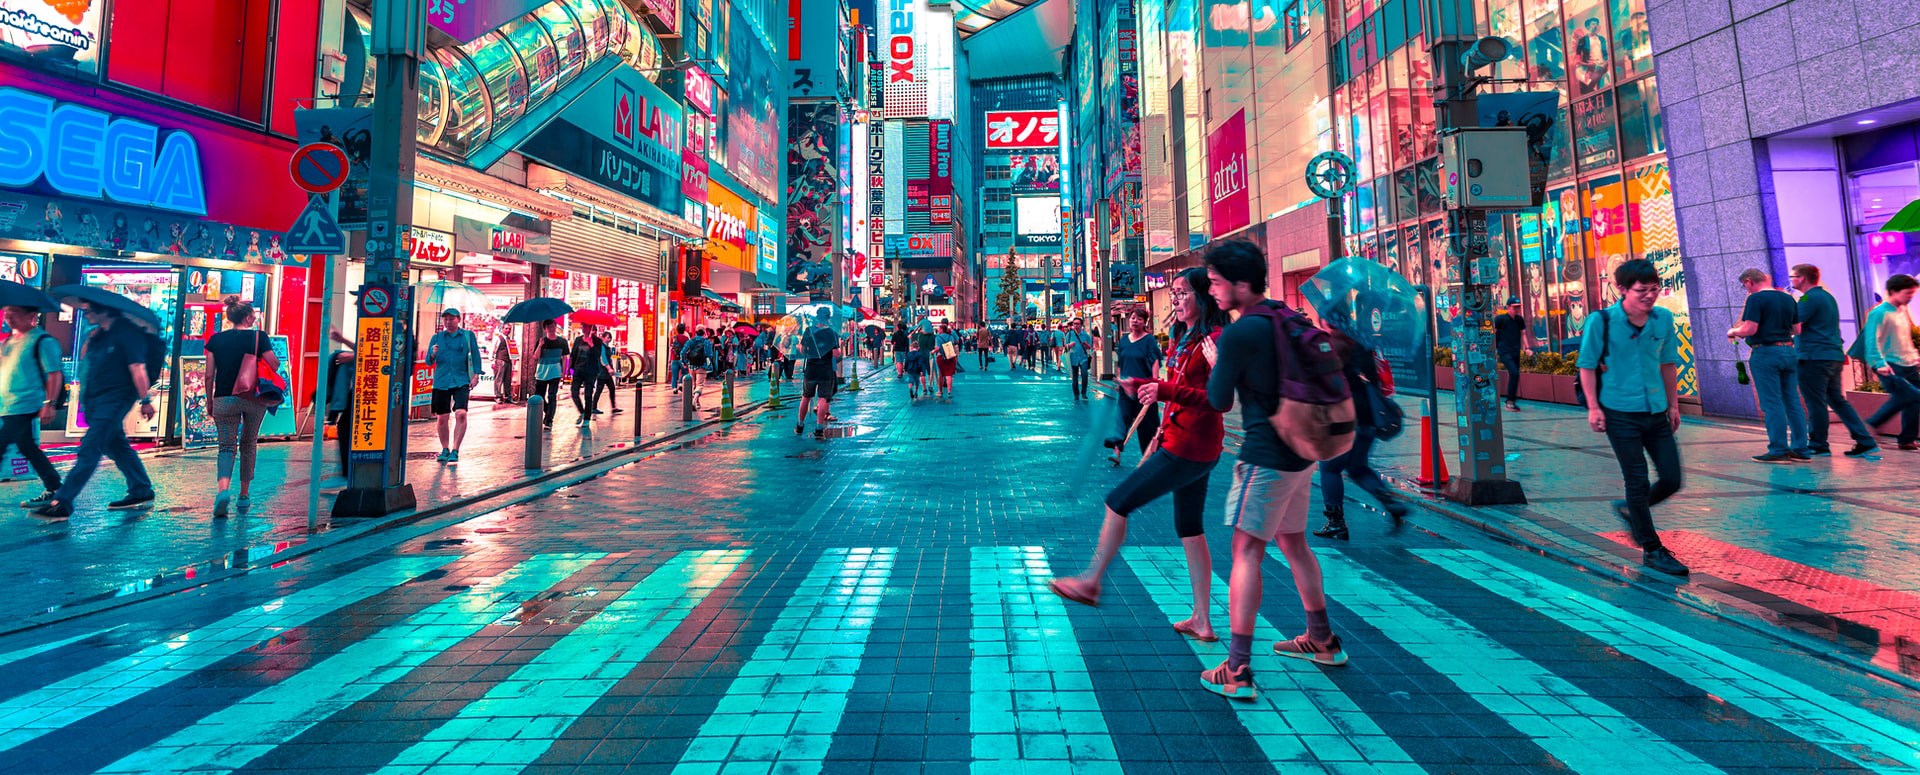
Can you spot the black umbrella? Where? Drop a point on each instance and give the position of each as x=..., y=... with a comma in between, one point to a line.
x=537, y=309
x=106, y=299
x=14, y=294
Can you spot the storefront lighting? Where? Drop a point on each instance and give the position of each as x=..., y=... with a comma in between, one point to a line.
x=1867, y=121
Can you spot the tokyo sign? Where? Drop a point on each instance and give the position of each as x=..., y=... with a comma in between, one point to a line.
x=1023, y=129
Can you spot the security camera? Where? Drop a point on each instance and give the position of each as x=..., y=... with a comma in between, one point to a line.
x=1486, y=51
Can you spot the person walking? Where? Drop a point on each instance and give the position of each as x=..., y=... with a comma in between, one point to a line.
x=819, y=346
x=946, y=358
x=30, y=382
x=1363, y=378
x=899, y=343
x=1079, y=357
x=1139, y=354
x=916, y=366
x=698, y=354
x=1509, y=337
x=340, y=405
x=1271, y=483
x=1887, y=347
x=1821, y=362
x=113, y=381
x=1769, y=323
x=455, y=355
x=1630, y=372
x=236, y=415
x=547, y=370
x=1181, y=461
x=983, y=346
x=503, y=367
x=587, y=357
x=676, y=366
x=609, y=379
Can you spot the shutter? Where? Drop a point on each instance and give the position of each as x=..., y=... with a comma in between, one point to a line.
x=580, y=245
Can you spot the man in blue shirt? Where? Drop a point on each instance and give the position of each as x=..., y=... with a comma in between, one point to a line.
x=1821, y=361
x=1630, y=369
x=1079, y=356
x=455, y=356
x=30, y=378
x=1769, y=322
x=115, y=378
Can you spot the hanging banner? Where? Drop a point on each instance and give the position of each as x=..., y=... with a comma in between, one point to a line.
x=1227, y=175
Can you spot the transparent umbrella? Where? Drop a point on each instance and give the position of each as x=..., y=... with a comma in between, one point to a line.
x=1372, y=304
x=460, y=296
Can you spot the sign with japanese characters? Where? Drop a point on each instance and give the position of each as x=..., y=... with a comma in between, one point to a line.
x=1008, y=129
x=372, y=375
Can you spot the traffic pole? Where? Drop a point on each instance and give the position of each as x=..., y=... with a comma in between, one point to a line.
x=726, y=397
x=639, y=407
x=686, y=398
x=534, y=444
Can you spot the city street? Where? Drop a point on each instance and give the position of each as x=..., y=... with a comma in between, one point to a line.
x=749, y=600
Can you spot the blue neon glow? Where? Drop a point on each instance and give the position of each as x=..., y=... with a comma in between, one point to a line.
x=89, y=153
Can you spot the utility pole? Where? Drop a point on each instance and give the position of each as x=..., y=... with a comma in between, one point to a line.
x=1104, y=278
x=1482, y=476
x=378, y=485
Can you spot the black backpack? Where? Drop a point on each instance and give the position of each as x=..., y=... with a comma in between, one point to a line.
x=60, y=401
x=1606, y=348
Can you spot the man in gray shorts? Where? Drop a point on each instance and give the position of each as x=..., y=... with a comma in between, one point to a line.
x=1271, y=484
x=819, y=345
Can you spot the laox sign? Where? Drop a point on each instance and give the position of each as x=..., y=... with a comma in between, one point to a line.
x=89, y=153
x=900, y=45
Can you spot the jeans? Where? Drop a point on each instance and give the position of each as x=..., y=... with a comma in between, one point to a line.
x=1080, y=372
x=17, y=431
x=106, y=437
x=1776, y=377
x=983, y=358
x=238, y=422
x=589, y=382
x=1511, y=361
x=1635, y=436
x=549, y=392
x=503, y=382
x=1820, y=388
x=675, y=368
x=1353, y=463
x=1903, y=396
x=608, y=388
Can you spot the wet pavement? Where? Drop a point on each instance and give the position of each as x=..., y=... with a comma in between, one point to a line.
x=758, y=601
x=99, y=554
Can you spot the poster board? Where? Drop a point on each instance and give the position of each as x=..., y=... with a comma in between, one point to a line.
x=196, y=419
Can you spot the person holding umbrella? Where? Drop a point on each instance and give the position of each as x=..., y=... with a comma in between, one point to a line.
x=588, y=359
x=30, y=382
x=548, y=348
x=113, y=380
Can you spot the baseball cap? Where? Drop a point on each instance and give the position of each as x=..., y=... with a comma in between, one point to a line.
x=449, y=313
x=1513, y=300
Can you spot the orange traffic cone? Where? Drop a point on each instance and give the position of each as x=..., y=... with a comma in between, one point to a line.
x=1427, y=463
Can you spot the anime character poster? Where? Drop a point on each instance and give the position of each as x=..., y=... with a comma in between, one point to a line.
x=812, y=196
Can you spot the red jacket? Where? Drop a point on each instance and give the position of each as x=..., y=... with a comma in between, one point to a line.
x=1192, y=429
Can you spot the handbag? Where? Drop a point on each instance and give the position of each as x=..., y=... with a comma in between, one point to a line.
x=258, y=381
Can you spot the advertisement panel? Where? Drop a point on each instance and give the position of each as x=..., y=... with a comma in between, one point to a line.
x=60, y=34
x=693, y=170
x=625, y=134
x=860, y=208
x=814, y=40
x=1034, y=173
x=813, y=204
x=730, y=228
x=467, y=20
x=373, y=363
x=1020, y=129
x=1037, y=221
x=906, y=70
x=665, y=14
x=1227, y=174
x=751, y=122
x=940, y=173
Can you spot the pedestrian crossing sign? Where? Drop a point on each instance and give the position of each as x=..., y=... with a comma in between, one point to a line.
x=316, y=231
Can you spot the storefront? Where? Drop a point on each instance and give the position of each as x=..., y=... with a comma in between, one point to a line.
x=733, y=245
x=196, y=219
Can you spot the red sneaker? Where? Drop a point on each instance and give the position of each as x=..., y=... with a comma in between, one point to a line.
x=1231, y=684
x=1302, y=647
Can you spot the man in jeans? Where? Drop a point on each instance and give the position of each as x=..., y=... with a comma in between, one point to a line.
x=1630, y=369
x=1887, y=344
x=1770, y=322
x=1079, y=356
x=1509, y=336
x=30, y=378
x=115, y=378
x=1821, y=361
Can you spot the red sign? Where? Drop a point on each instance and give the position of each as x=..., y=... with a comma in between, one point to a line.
x=1227, y=175
x=699, y=87
x=319, y=168
x=1023, y=129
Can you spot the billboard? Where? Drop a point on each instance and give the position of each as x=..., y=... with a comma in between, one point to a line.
x=813, y=204
x=815, y=40
x=1227, y=175
x=1034, y=173
x=730, y=228
x=940, y=173
x=625, y=134
x=1037, y=221
x=60, y=35
x=751, y=121
x=1019, y=129
x=906, y=64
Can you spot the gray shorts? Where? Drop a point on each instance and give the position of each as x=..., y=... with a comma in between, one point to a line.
x=1266, y=502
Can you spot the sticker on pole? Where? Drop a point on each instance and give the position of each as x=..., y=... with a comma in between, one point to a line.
x=319, y=168
x=315, y=231
x=375, y=301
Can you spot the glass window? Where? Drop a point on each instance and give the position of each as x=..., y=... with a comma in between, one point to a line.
x=1877, y=194
x=1297, y=24
x=1595, y=135
x=1363, y=201
x=1546, y=49
x=1400, y=107
x=1406, y=199
x=1641, y=130
x=466, y=118
x=499, y=69
x=1413, y=256
x=1632, y=47
x=538, y=56
x=1503, y=20
x=1426, y=144
x=1588, y=45
x=1607, y=242
x=1564, y=269
x=1427, y=185
x=569, y=43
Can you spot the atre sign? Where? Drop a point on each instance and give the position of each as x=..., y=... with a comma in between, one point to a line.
x=83, y=152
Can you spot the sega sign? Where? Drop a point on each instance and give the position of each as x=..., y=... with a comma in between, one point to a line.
x=84, y=152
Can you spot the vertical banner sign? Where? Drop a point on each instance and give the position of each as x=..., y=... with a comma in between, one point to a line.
x=1227, y=175
x=940, y=177
x=906, y=71
x=813, y=206
x=373, y=372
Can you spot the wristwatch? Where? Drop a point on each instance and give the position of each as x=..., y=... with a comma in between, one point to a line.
x=147, y=401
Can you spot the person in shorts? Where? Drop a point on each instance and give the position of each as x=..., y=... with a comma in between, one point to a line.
x=819, y=346
x=455, y=355
x=1271, y=483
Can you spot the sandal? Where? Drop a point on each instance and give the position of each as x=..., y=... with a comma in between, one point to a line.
x=1071, y=590
x=1187, y=629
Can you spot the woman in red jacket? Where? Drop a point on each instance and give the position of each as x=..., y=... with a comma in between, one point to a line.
x=1188, y=445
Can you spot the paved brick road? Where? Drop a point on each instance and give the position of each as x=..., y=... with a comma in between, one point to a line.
x=756, y=601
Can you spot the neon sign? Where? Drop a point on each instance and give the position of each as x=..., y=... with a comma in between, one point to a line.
x=88, y=153
x=900, y=45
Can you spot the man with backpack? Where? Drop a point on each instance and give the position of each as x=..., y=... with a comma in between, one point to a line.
x=30, y=383
x=116, y=358
x=1630, y=374
x=819, y=346
x=1295, y=409
x=697, y=354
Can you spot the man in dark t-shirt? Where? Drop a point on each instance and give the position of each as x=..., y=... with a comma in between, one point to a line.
x=819, y=346
x=1509, y=337
x=1769, y=322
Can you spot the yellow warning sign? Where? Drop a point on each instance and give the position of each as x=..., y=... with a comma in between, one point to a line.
x=372, y=361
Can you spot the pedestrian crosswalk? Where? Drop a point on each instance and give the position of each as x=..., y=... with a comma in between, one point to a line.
x=1043, y=692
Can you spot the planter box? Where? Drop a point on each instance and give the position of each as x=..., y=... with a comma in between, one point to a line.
x=1443, y=377
x=1563, y=392
x=1533, y=387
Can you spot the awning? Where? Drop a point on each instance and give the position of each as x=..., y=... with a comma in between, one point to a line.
x=725, y=305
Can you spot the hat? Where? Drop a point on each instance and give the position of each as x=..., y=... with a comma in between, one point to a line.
x=1513, y=300
x=449, y=313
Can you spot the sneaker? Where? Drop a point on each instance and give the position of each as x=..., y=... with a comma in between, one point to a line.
x=618, y=410
x=441, y=458
x=37, y=501
x=132, y=502
x=1231, y=684
x=1513, y=407
x=453, y=456
x=1909, y=446
x=220, y=506
x=1820, y=450
x=54, y=512
x=1862, y=449
x=819, y=434
x=1662, y=560
x=1799, y=457
x=799, y=429
x=1780, y=457
x=1302, y=647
